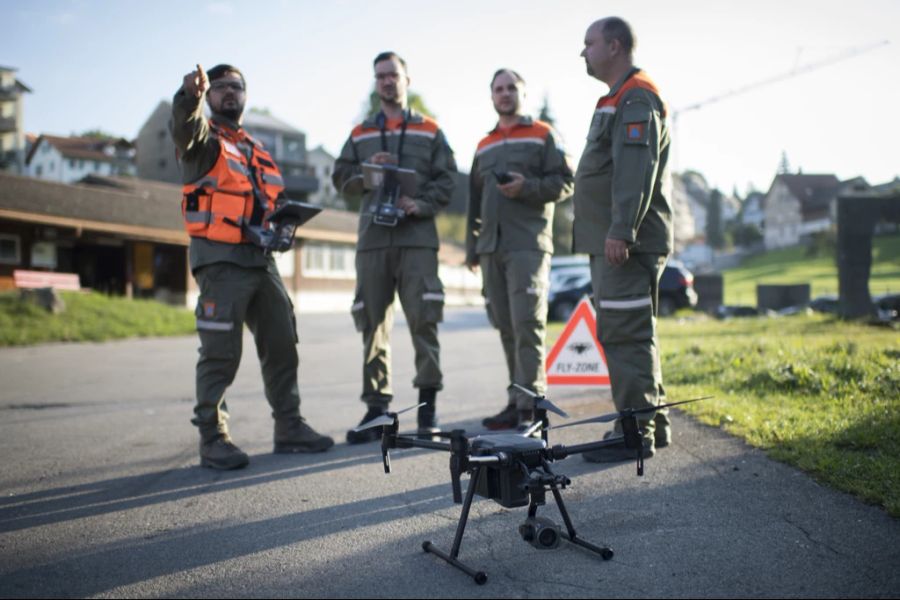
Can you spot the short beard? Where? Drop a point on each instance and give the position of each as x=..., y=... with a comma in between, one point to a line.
x=232, y=114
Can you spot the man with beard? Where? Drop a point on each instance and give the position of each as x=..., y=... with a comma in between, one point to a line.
x=231, y=180
x=623, y=219
x=398, y=255
x=518, y=175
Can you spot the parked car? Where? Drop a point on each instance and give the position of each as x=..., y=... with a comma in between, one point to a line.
x=570, y=281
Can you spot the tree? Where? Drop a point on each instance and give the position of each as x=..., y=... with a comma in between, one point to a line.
x=564, y=217
x=715, y=232
x=97, y=134
x=546, y=115
x=416, y=102
x=563, y=222
x=784, y=167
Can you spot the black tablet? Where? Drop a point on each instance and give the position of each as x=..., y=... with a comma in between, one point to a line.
x=292, y=212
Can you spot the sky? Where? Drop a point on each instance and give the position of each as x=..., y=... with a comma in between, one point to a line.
x=107, y=64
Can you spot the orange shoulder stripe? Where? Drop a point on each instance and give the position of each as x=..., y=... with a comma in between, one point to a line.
x=638, y=80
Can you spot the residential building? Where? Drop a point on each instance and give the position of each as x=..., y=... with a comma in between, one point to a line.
x=321, y=165
x=70, y=159
x=753, y=210
x=797, y=206
x=12, y=136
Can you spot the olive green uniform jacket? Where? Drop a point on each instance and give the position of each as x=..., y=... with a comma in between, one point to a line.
x=622, y=185
x=425, y=150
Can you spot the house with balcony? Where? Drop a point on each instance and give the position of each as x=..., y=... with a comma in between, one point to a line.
x=12, y=135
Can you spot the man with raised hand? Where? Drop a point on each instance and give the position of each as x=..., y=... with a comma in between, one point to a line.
x=231, y=182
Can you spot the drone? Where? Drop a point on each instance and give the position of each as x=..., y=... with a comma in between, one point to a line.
x=512, y=468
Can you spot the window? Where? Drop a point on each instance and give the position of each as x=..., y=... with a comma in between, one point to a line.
x=10, y=252
x=43, y=254
x=329, y=261
x=285, y=263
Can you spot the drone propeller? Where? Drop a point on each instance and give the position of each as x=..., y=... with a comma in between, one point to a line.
x=626, y=413
x=542, y=403
x=385, y=419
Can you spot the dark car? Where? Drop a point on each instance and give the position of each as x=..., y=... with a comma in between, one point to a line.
x=570, y=281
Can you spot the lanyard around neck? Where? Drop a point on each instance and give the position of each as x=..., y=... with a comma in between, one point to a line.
x=381, y=119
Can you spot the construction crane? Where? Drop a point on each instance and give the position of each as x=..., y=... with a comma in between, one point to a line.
x=798, y=70
x=794, y=72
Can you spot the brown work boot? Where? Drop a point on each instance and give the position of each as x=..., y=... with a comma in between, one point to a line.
x=220, y=452
x=508, y=418
x=294, y=435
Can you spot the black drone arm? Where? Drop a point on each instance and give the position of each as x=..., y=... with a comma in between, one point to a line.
x=560, y=452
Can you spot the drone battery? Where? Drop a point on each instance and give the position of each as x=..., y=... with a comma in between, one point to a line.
x=502, y=486
x=505, y=484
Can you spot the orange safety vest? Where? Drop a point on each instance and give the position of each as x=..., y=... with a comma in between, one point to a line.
x=217, y=205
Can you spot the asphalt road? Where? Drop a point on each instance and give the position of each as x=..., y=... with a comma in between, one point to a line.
x=102, y=495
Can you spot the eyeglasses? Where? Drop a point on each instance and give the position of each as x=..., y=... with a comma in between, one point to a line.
x=220, y=86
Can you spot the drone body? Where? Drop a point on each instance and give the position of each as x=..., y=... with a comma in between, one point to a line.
x=512, y=469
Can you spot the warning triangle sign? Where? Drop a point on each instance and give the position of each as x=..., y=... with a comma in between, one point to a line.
x=577, y=358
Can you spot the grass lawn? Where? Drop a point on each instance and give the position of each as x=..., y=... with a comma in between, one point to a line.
x=814, y=392
x=89, y=317
x=792, y=265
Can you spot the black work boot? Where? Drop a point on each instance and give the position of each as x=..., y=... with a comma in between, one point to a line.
x=367, y=435
x=426, y=419
x=219, y=452
x=294, y=435
x=508, y=418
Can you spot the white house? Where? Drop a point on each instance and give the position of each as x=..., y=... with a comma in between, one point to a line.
x=70, y=159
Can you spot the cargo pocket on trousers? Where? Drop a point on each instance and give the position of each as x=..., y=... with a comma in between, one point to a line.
x=433, y=300
x=625, y=321
x=215, y=325
x=358, y=311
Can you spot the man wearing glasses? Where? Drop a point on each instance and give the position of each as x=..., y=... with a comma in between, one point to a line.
x=398, y=242
x=232, y=181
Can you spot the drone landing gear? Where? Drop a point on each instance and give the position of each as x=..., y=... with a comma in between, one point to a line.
x=537, y=494
x=605, y=552
x=480, y=577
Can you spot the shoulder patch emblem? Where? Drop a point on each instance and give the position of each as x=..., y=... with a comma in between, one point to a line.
x=635, y=132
